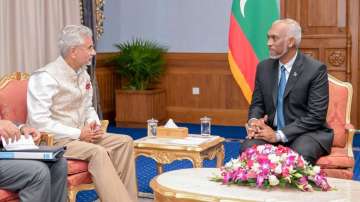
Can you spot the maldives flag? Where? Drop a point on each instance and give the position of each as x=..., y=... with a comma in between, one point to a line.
x=249, y=23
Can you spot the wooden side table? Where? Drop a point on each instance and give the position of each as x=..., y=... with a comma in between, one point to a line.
x=194, y=148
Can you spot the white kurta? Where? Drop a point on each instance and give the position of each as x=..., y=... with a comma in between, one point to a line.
x=59, y=100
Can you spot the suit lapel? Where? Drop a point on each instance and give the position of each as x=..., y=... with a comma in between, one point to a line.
x=295, y=74
x=275, y=74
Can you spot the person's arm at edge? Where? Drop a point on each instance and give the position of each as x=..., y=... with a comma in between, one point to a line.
x=256, y=108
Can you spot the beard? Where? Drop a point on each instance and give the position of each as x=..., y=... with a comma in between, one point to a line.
x=278, y=56
x=89, y=63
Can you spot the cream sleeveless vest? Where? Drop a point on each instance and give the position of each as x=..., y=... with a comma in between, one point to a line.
x=69, y=103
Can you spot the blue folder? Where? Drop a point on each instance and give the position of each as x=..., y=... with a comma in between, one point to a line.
x=44, y=153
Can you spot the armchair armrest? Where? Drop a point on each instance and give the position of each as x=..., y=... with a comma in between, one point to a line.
x=46, y=138
x=350, y=137
x=104, y=124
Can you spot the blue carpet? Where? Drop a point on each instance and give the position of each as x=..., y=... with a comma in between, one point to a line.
x=356, y=148
x=146, y=167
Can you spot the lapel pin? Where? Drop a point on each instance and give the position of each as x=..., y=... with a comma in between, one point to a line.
x=295, y=74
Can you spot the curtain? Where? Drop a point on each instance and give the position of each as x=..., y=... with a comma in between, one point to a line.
x=29, y=32
x=92, y=17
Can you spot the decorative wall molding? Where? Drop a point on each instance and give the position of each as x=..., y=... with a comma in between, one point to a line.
x=312, y=52
x=337, y=58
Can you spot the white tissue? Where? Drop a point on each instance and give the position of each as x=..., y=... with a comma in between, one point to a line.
x=170, y=124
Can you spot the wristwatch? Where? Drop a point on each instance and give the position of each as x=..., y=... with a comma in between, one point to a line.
x=21, y=128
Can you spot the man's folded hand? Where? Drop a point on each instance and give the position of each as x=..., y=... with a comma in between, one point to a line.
x=254, y=126
x=86, y=133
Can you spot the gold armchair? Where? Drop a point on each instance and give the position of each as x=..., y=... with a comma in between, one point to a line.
x=13, y=107
x=340, y=162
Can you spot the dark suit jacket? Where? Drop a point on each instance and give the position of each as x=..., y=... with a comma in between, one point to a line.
x=306, y=98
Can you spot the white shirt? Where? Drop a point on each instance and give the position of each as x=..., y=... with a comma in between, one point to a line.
x=288, y=66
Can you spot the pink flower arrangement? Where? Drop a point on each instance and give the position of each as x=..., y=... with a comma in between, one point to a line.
x=267, y=166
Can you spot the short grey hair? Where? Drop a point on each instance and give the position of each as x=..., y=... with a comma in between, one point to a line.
x=294, y=29
x=72, y=35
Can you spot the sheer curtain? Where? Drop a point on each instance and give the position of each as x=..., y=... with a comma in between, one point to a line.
x=29, y=31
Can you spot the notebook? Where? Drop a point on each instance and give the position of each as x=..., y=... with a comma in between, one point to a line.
x=22, y=143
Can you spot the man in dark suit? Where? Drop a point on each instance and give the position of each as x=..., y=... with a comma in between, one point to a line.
x=290, y=98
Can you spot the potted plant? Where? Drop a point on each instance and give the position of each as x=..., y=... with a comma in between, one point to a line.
x=140, y=63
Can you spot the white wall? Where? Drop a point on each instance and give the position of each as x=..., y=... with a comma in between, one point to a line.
x=182, y=25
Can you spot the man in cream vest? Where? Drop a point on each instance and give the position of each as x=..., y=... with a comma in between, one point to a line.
x=60, y=102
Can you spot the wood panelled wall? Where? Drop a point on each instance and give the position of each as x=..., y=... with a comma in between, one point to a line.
x=330, y=34
x=220, y=97
x=108, y=81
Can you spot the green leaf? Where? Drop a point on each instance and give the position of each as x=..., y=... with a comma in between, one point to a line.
x=140, y=63
x=251, y=181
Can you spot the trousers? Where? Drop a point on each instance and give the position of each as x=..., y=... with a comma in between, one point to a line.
x=111, y=164
x=35, y=180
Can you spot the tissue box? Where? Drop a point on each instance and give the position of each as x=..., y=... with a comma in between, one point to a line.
x=180, y=132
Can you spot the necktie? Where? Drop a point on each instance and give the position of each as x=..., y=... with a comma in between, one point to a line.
x=280, y=100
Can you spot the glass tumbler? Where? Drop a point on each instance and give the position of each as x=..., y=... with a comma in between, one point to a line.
x=152, y=127
x=205, y=126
